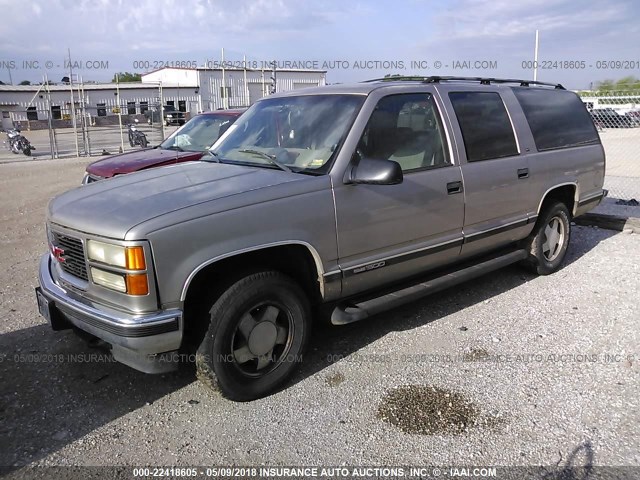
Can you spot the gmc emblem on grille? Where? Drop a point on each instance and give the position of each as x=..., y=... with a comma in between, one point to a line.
x=57, y=253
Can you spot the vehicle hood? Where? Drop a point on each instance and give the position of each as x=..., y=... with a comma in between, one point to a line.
x=111, y=208
x=138, y=160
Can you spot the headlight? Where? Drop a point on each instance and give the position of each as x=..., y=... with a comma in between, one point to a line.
x=131, y=258
x=110, y=280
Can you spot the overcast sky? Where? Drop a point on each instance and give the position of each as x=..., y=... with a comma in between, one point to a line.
x=122, y=32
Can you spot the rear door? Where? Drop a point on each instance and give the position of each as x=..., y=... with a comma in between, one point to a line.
x=391, y=232
x=496, y=173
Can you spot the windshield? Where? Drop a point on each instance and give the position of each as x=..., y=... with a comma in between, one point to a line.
x=199, y=133
x=294, y=133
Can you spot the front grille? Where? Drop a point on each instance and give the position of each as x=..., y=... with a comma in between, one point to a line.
x=73, y=255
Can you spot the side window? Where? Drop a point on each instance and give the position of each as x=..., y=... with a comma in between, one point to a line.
x=558, y=118
x=486, y=128
x=405, y=128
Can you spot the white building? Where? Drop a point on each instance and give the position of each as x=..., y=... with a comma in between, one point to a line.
x=188, y=90
x=231, y=88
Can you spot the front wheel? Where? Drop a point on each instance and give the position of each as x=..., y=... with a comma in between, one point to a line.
x=258, y=333
x=547, y=245
x=143, y=141
x=27, y=151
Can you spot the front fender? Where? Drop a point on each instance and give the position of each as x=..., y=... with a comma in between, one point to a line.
x=182, y=250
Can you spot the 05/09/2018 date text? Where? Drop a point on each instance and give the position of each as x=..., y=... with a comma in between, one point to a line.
x=581, y=64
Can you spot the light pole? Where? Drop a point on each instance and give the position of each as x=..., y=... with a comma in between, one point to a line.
x=535, y=59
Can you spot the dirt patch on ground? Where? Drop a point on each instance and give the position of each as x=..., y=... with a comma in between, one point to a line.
x=429, y=410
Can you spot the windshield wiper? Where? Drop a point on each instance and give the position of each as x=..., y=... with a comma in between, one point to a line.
x=175, y=147
x=214, y=156
x=271, y=158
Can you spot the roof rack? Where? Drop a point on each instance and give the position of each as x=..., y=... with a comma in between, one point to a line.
x=481, y=80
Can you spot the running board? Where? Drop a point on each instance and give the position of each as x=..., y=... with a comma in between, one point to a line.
x=344, y=314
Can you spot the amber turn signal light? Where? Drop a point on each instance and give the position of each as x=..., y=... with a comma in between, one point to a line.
x=135, y=258
x=137, y=284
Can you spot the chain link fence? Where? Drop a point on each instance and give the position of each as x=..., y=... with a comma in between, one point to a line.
x=79, y=128
x=616, y=115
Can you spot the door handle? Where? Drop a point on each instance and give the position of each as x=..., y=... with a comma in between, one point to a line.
x=454, y=187
x=523, y=173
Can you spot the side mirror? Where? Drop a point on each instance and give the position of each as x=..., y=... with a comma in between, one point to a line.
x=372, y=171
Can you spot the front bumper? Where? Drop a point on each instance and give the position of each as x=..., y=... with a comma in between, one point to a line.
x=145, y=342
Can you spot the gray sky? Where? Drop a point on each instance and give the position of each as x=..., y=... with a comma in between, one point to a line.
x=456, y=33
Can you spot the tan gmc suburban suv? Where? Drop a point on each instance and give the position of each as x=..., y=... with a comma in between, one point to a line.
x=344, y=199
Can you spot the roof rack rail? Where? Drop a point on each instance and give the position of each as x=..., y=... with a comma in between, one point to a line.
x=481, y=80
x=405, y=78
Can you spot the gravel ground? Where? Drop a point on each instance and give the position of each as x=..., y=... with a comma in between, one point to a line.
x=534, y=370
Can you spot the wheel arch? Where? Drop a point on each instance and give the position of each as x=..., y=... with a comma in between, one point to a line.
x=210, y=279
x=259, y=249
x=567, y=192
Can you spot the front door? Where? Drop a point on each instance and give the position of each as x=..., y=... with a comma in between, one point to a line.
x=391, y=232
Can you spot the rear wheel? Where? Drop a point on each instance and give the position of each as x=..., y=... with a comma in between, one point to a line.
x=258, y=332
x=547, y=245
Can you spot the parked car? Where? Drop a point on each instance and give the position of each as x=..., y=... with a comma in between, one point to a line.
x=609, y=118
x=167, y=114
x=634, y=117
x=334, y=203
x=188, y=143
x=172, y=116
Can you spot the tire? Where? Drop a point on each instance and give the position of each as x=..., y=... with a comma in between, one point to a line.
x=545, y=258
x=259, y=330
x=144, y=142
x=27, y=151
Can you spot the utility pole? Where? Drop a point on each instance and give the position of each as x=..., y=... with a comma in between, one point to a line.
x=73, y=106
x=224, y=85
x=53, y=143
x=535, y=59
x=274, y=77
x=246, y=85
x=119, y=112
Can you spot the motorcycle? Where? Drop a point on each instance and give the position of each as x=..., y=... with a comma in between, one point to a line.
x=18, y=143
x=136, y=137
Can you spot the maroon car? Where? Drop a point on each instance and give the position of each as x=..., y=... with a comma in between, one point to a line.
x=188, y=143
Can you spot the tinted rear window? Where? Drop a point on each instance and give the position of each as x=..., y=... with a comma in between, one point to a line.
x=558, y=118
x=486, y=128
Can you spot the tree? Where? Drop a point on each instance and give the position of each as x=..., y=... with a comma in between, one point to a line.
x=628, y=83
x=126, y=77
x=605, y=86
x=25, y=82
